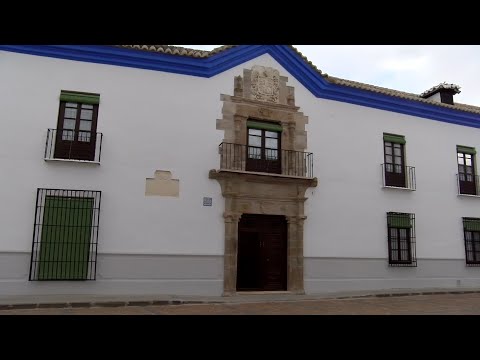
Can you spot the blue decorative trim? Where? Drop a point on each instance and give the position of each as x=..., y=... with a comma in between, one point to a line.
x=213, y=65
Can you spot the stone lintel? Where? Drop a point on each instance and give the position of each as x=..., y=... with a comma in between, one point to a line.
x=262, y=177
x=241, y=100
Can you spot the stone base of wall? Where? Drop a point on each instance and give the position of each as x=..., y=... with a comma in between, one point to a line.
x=203, y=276
x=329, y=275
x=122, y=275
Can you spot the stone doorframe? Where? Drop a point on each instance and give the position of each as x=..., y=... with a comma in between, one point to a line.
x=262, y=94
x=258, y=194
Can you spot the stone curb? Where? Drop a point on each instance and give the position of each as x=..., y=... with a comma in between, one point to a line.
x=411, y=293
x=67, y=305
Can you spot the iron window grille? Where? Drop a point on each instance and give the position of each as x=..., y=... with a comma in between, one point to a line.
x=471, y=233
x=65, y=235
x=401, y=239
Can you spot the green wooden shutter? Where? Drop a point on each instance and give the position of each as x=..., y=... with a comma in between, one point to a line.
x=68, y=96
x=471, y=224
x=399, y=220
x=397, y=139
x=65, y=240
x=466, y=149
x=264, y=126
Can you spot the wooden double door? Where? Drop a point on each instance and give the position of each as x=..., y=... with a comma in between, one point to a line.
x=262, y=253
x=394, y=164
x=76, y=131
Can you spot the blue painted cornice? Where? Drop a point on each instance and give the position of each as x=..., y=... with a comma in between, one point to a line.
x=224, y=60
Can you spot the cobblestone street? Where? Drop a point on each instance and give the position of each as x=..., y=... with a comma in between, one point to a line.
x=441, y=304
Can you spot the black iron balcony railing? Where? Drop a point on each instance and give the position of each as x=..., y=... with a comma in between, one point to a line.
x=468, y=184
x=399, y=176
x=73, y=145
x=250, y=158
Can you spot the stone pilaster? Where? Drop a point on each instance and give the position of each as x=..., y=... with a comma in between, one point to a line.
x=295, y=254
x=231, y=249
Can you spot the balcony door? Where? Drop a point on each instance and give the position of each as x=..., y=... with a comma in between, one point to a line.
x=76, y=131
x=394, y=164
x=466, y=173
x=263, y=151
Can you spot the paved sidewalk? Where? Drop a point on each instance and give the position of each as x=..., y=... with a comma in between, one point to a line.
x=437, y=304
x=8, y=303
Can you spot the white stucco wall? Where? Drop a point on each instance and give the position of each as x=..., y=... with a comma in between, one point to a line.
x=150, y=120
x=349, y=206
x=153, y=120
x=435, y=97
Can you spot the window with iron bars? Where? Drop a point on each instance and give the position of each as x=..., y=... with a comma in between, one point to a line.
x=65, y=235
x=471, y=233
x=401, y=239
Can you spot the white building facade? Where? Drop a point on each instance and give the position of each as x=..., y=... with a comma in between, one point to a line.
x=163, y=170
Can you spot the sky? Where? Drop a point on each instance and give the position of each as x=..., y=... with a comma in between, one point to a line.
x=410, y=68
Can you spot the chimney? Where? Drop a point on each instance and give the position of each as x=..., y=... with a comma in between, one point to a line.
x=442, y=93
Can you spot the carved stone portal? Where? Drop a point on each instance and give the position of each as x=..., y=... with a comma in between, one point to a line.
x=263, y=94
x=257, y=194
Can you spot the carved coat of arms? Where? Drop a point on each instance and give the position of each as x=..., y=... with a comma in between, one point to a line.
x=265, y=84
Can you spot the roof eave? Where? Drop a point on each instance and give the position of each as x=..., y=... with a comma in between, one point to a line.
x=287, y=56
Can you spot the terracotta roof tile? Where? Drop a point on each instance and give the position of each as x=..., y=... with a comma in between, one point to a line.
x=178, y=50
